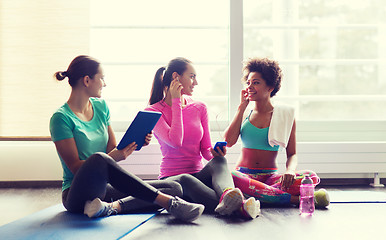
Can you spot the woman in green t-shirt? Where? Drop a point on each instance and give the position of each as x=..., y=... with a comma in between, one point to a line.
x=86, y=146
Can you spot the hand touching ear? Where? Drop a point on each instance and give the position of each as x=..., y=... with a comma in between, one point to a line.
x=175, y=88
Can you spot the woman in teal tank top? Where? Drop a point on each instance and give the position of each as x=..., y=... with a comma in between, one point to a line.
x=86, y=145
x=256, y=171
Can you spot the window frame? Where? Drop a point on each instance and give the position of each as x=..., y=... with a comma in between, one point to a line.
x=328, y=130
x=356, y=130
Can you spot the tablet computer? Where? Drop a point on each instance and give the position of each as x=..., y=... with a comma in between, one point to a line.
x=142, y=124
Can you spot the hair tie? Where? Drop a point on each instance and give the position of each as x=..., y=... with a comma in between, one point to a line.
x=163, y=69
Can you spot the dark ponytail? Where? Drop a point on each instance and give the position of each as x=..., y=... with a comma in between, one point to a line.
x=60, y=75
x=162, y=80
x=157, y=92
x=80, y=67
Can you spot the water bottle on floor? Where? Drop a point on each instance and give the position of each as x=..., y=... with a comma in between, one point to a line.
x=307, y=205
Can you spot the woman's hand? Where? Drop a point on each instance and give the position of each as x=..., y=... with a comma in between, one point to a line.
x=148, y=139
x=244, y=101
x=175, y=88
x=119, y=155
x=221, y=152
x=287, y=179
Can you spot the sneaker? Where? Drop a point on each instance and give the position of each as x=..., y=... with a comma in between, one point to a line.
x=97, y=208
x=250, y=208
x=230, y=201
x=184, y=210
x=321, y=198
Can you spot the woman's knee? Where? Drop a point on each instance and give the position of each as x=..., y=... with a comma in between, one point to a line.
x=97, y=163
x=236, y=174
x=240, y=179
x=311, y=174
x=315, y=178
x=99, y=158
x=172, y=188
x=187, y=180
x=219, y=161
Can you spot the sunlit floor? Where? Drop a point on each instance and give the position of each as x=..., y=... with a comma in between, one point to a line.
x=339, y=221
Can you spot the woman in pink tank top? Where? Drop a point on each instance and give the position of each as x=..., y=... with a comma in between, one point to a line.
x=184, y=138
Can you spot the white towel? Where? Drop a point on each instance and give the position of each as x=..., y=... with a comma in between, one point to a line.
x=281, y=125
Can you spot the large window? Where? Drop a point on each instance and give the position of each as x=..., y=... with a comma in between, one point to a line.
x=134, y=38
x=332, y=54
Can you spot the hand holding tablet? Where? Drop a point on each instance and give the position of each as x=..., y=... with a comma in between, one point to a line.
x=142, y=125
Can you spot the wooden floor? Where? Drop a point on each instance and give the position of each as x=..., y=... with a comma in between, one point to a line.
x=339, y=221
x=16, y=203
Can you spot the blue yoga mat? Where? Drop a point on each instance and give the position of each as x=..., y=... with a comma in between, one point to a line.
x=56, y=223
x=357, y=196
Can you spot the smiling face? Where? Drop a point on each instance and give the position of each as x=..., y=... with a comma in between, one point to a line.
x=257, y=87
x=188, y=80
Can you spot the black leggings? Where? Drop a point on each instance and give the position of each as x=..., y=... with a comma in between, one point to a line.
x=207, y=185
x=101, y=177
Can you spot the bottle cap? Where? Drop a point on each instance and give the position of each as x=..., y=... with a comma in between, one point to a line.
x=307, y=180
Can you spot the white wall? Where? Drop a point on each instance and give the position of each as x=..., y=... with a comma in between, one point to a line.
x=38, y=161
x=37, y=38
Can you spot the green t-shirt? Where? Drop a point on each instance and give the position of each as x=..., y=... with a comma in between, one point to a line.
x=90, y=136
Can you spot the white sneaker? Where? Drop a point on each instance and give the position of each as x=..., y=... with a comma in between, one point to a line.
x=184, y=210
x=97, y=208
x=251, y=208
x=230, y=201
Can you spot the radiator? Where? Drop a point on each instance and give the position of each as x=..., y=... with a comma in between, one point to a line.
x=38, y=161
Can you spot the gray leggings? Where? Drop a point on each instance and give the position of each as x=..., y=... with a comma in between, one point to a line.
x=207, y=185
x=101, y=177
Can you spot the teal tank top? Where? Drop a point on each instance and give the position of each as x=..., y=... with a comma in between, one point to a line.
x=90, y=136
x=254, y=137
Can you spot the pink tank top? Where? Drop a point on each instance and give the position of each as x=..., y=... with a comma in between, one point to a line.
x=183, y=135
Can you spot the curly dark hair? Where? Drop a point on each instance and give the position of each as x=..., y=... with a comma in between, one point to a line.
x=269, y=70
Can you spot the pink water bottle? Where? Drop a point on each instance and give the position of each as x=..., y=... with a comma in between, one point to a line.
x=307, y=205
